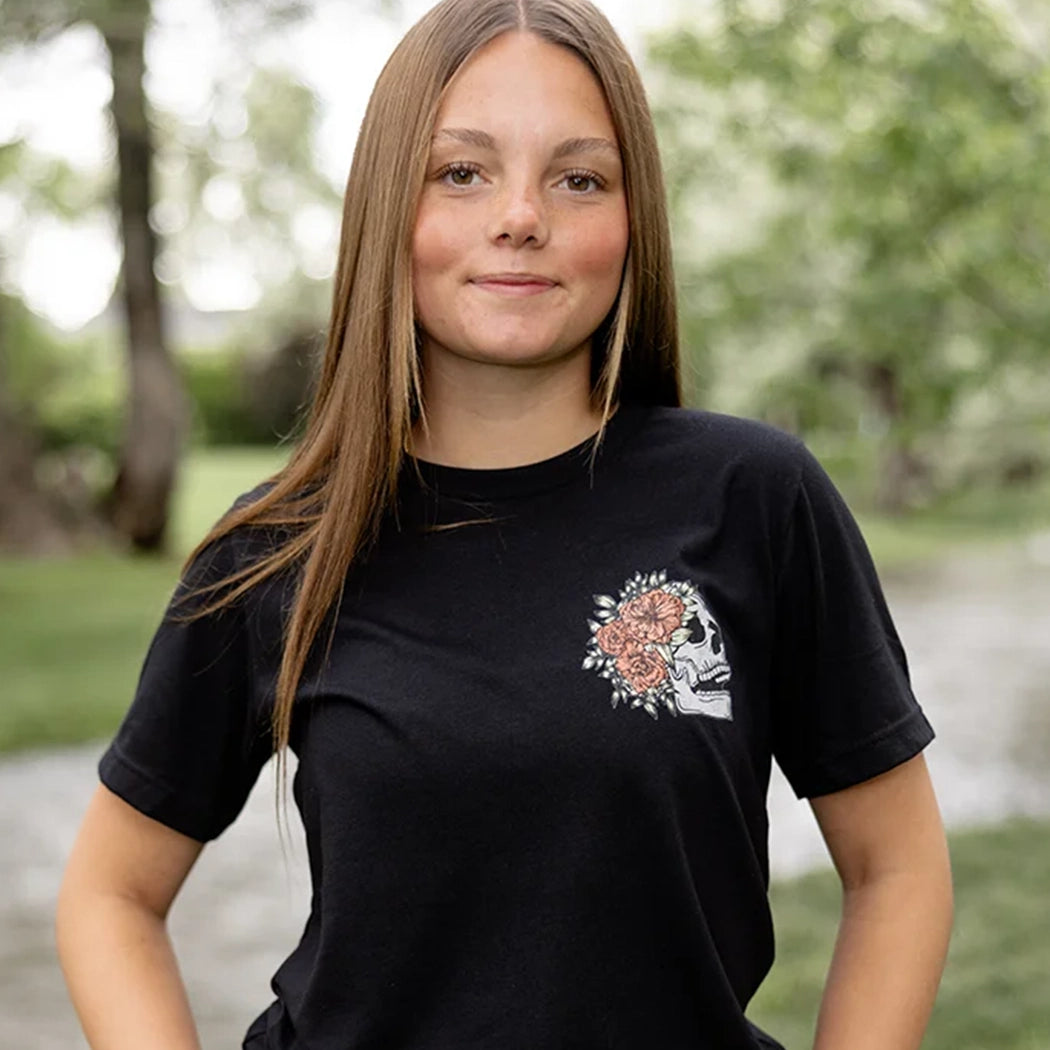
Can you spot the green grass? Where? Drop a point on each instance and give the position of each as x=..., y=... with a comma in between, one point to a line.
x=996, y=989
x=211, y=480
x=76, y=629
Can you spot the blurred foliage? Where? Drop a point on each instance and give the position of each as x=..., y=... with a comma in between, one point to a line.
x=67, y=390
x=137, y=506
x=36, y=20
x=242, y=185
x=881, y=278
x=221, y=413
x=32, y=356
x=72, y=400
x=239, y=185
x=240, y=398
x=48, y=183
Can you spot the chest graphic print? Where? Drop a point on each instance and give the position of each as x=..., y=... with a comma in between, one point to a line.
x=659, y=646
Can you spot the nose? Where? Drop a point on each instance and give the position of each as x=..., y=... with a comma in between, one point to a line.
x=520, y=217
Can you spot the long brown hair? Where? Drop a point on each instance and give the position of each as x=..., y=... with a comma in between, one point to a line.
x=328, y=502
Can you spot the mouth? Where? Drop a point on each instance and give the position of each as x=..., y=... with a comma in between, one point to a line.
x=514, y=284
x=713, y=674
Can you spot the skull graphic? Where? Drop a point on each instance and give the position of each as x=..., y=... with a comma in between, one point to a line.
x=701, y=671
x=659, y=646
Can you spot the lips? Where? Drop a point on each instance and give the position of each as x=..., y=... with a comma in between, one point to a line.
x=513, y=278
x=514, y=283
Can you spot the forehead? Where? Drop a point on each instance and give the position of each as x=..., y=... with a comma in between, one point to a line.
x=520, y=83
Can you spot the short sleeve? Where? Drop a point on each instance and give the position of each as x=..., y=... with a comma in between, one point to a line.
x=843, y=710
x=195, y=737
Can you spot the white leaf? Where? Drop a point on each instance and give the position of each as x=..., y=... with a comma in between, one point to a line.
x=604, y=601
x=683, y=634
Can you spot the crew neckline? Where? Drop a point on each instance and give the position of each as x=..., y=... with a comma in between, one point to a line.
x=498, y=483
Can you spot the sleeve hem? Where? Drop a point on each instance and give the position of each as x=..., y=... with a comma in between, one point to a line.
x=880, y=753
x=155, y=799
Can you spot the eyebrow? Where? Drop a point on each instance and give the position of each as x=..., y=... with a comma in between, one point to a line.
x=467, y=136
x=586, y=145
x=483, y=140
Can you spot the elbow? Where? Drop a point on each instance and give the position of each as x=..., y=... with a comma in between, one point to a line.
x=920, y=892
x=88, y=913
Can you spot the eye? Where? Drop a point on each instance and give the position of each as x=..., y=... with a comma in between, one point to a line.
x=716, y=639
x=458, y=174
x=583, y=181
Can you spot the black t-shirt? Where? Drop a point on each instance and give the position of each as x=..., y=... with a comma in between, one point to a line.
x=533, y=770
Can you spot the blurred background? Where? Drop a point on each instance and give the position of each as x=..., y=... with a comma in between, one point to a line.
x=861, y=207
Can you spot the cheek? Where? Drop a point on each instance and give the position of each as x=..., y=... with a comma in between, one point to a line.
x=433, y=255
x=600, y=249
x=435, y=244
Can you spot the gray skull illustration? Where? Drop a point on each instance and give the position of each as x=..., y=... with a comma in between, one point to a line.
x=701, y=671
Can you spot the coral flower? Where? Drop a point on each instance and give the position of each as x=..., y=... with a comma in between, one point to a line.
x=641, y=670
x=615, y=638
x=653, y=616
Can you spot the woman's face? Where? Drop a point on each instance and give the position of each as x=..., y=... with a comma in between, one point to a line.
x=521, y=232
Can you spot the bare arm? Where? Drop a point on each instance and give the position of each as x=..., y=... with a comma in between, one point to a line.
x=887, y=841
x=122, y=876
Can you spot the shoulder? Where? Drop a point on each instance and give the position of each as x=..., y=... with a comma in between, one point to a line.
x=720, y=429
x=253, y=495
x=232, y=552
x=749, y=452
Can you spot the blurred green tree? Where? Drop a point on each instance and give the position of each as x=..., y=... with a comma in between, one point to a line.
x=885, y=169
x=29, y=517
x=138, y=505
x=33, y=516
x=253, y=196
x=242, y=190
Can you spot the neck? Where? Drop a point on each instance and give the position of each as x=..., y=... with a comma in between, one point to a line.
x=497, y=416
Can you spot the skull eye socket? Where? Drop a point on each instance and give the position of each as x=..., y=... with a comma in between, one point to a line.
x=701, y=633
x=716, y=639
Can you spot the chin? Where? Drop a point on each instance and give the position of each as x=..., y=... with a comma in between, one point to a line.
x=505, y=344
x=515, y=352
x=521, y=343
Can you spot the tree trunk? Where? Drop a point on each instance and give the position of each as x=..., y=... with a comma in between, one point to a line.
x=900, y=471
x=156, y=406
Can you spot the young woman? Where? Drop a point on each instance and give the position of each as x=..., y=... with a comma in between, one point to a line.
x=533, y=631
